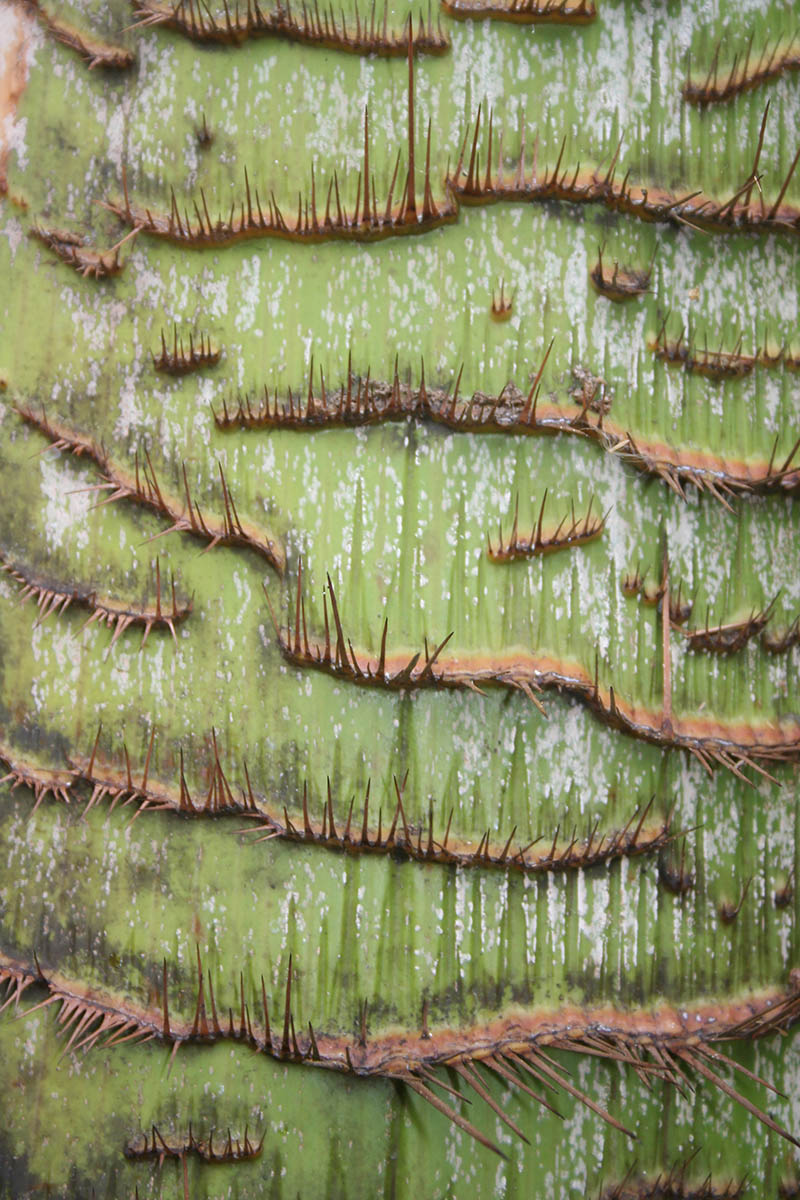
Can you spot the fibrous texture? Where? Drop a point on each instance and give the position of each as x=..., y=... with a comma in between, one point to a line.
x=437, y=834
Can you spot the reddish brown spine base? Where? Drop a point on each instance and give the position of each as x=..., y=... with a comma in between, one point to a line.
x=193, y=19
x=364, y=224
x=674, y=875
x=93, y=51
x=362, y=401
x=570, y=532
x=502, y=306
x=728, y=911
x=143, y=488
x=715, y=364
x=42, y=781
x=739, y=214
x=782, y=642
x=57, y=597
x=360, y=225
x=728, y=639
x=673, y=1185
x=404, y=840
x=742, y=76
x=121, y=785
x=711, y=741
x=179, y=361
x=679, y=609
x=88, y=262
x=619, y=283
x=720, y=364
x=204, y=135
x=227, y=1150
x=717, y=639
x=659, y=1044
x=524, y=12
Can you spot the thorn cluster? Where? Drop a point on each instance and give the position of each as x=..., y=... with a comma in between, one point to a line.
x=338, y=657
x=122, y=785
x=712, y=741
x=716, y=364
x=92, y=50
x=728, y=912
x=364, y=223
x=502, y=305
x=42, y=781
x=730, y=638
x=570, y=532
x=720, y=364
x=108, y=780
x=782, y=642
x=743, y=76
x=71, y=249
x=652, y=204
x=676, y=877
x=590, y=392
x=673, y=1186
x=419, y=843
x=177, y=361
x=620, y=283
x=524, y=12
x=158, y=1146
x=57, y=597
x=238, y=23
x=144, y=489
x=364, y=401
x=517, y=1050
x=81, y=1014
x=679, y=609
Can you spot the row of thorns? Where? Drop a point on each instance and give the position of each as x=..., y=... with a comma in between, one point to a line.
x=746, y=210
x=86, y=1021
x=360, y=402
x=510, y=1053
x=502, y=414
x=368, y=221
x=118, y=783
x=710, y=740
x=710, y=743
x=369, y=34
x=677, y=1183
x=361, y=405
x=616, y=282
